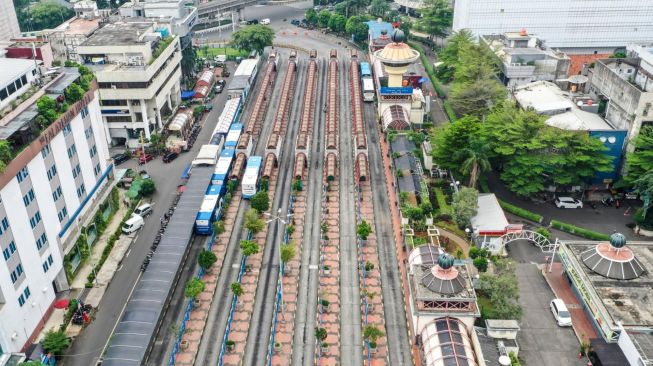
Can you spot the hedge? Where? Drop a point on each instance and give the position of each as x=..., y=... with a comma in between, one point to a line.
x=571, y=229
x=449, y=110
x=521, y=212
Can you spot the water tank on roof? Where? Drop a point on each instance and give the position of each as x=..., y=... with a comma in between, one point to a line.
x=164, y=32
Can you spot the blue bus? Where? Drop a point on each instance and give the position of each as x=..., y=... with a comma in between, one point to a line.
x=210, y=210
x=222, y=168
x=366, y=71
x=233, y=136
x=250, y=177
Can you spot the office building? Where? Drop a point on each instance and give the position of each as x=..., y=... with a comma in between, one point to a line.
x=50, y=187
x=8, y=22
x=137, y=66
x=178, y=15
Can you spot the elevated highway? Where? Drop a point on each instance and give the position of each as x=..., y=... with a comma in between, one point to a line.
x=208, y=12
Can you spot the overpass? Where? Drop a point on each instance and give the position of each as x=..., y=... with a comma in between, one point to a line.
x=207, y=12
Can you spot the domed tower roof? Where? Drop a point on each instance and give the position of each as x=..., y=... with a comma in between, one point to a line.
x=444, y=278
x=613, y=259
x=397, y=52
x=398, y=36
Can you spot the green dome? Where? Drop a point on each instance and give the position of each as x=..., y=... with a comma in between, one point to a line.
x=398, y=36
x=617, y=240
x=445, y=261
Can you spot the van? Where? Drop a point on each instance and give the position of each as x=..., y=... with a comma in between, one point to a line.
x=560, y=313
x=265, y=21
x=143, y=210
x=133, y=224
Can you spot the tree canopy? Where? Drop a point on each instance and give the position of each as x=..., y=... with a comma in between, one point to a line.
x=252, y=222
x=55, y=342
x=465, y=206
x=436, y=18
x=253, y=37
x=379, y=8
x=449, y=54
x=640, y=161
x=260, y=201
x=356, y=26
x=311, y=16
x=323, y=18
x=337, y=23
x=39, y=16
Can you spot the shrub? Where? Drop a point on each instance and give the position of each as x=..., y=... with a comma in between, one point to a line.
x=206, y=259
x=571, y=229
x=481, y=264
x=194, y=287
x=518, y=211
x=237, y=289
x=364, y=230
x=55, y=342
x=544, y=232
x=260, y=201
x=448, y=109
x=320, y=334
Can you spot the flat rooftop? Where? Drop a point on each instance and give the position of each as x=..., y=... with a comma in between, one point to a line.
x=119, y=34
x=626, y=301
x=489, y=216
x=13, y=68
x=78, y=26
x=579, y=120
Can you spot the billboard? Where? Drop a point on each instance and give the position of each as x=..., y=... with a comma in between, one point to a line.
x=400, y=90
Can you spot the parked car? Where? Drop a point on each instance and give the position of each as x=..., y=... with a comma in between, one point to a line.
x=120, y=158
x=134, y=223
x=218, y=88
x=220, y=59
x=170, y=156
x=568, y=202
x=143, y=210
x=560, y=313
x=252, y=21
x=222, y=82
x=295, y=22
x=145, y=158
x=265, y=21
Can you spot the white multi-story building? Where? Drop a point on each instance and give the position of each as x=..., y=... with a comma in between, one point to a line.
x=8, y=22
x=178, y=14
x=16, y=76
x=51, y=187
x=65, y=38
x=567, y=24
x=137, y=66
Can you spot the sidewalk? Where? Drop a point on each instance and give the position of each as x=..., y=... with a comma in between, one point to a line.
x=560, y=287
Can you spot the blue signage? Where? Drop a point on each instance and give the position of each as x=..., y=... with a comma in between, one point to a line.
x=401, y=90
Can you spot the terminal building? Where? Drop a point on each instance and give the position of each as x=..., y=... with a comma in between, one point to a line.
x=54, y=176
x=137, y=66
x=614, y=284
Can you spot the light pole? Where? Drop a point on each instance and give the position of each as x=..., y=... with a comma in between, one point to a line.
x=455, y=185
x=278, y=218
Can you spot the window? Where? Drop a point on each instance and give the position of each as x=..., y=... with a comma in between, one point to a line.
x=6, y=254
x=5, y=225
x=97, y=169
x=88, y=132
x=81, y=190
x=28, y=197
x=15, y=274
x=35, y=219
x=62, y=214
x=45, y=151
x=84, y=112
x=3, y=94
x=50, y=260
x=67, y=129
x=76, y=171
x=45, y=266
x=12, y=247
x=93, y=151
x=57, y=194
x=72, y=150
x=41, y=241
x=27, y=292
x=19, y=269
x=52, y=172
x=21, y=300
x=22, y=174
x=23, y=79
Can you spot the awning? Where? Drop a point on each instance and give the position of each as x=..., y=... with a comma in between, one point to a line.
x=187, y=94
x=201, y=92
x=178, y=123
x=395, y=117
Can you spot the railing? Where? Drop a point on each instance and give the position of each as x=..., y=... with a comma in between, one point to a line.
x=360, y=242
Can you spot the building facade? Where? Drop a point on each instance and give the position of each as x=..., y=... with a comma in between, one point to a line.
x=137, y=66
x=8, y=22
x=46, y=191
x=17, y=76
x=581, y=25
x=65, y=38
x=180, y=16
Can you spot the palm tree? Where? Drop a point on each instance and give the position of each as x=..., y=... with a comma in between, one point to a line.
x=476, y=161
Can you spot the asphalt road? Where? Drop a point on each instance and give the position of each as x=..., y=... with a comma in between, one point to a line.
x=87, y=348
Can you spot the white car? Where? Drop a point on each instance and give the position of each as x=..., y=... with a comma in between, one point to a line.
x=560, y=313
x=568, y=202
x=265, y=21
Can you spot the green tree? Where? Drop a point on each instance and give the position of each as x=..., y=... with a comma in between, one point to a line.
x=476, y=160
x=55, y=342
x=503, y=293
x=249, y=247
x=311, y=16
x=364, y=229
x=147, y=188
x=260, y=201
x=323, y=18
x=47, y=108
x=436, y=18
x=321, y=334
x=379, y=8
x=237, y=289
x=194, y=287
x=218, y=227
x=337, y=23
x=73, y=93
x=475, y=98
x=189, y=61
x=357, y=6
x=206, y=259
x=6, y=153
x=449, y=54
x=252, y=221
x=449, y=140
x=356, y=27
x=45, y=15
x=644, y=187
x=372, y=334
x=640, y=160
x=287, y=253
x=253, y=37
x=480, y=263
x=465, y=206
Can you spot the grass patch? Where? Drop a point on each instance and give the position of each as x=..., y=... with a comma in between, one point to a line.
x=449, y=110
x=521, y=212
x=585, y=233
x=442, y=201
x=215, y=51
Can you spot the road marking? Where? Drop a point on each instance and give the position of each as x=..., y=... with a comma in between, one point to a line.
x=119, y=268
x=313, y=266
x=235, y=265
x=128, y=252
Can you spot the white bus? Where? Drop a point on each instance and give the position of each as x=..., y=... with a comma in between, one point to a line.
x=250, y=177
x=368, y=90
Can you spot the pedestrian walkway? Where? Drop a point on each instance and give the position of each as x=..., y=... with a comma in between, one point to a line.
x=558, y=283
x=396, y=225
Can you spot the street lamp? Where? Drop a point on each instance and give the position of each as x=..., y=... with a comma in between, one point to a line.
x=279, y=218
x=455, y=185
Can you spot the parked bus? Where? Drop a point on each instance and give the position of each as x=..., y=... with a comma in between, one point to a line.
x=250, y=178
x=233, y=136
x=210, y=210
x=222, y=168
x=367, y=81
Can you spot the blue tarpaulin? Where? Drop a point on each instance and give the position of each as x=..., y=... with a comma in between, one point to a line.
x=186, y=173
x=187, y=94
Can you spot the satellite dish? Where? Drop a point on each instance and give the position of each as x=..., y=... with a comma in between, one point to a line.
x=504, y=360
